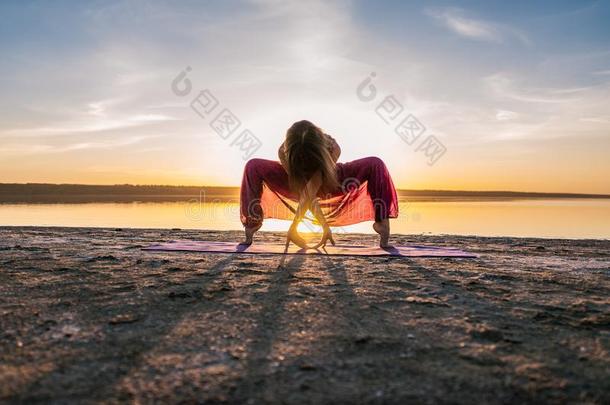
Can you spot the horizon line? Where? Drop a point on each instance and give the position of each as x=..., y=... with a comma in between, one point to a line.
x=452, y=191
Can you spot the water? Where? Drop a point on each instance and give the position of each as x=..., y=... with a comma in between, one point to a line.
x=557, y=218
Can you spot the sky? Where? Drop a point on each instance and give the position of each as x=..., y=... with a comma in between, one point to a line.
x=496, y=95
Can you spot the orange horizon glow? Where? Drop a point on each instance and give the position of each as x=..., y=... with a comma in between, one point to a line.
x=517, y=185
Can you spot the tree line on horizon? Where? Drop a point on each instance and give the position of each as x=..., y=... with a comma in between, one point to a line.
x=17, y=191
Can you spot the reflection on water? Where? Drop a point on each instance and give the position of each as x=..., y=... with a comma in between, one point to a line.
x=560, y=218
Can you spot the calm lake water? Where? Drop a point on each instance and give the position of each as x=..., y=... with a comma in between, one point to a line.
x=558, y=218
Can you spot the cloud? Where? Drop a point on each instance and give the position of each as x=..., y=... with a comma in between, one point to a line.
x=506, y=115
x=89, y=126
x=504, y=86
x=455, y=20
x=97, y=117
x=546, y=112
x=597, y=120
x=33, y=149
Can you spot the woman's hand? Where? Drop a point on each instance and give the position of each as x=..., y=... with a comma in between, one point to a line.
x=309, y=201
x=293, y=234
x=294, y=237
x=326, y=236
x=327, y=233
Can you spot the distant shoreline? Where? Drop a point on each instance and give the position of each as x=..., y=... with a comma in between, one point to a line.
x=82, y=193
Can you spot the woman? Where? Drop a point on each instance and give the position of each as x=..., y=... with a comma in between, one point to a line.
x=308, y=177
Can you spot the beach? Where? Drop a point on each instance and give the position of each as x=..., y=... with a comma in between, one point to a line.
x=87, y=316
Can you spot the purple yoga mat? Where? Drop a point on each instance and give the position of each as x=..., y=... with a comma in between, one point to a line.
x=340, y=250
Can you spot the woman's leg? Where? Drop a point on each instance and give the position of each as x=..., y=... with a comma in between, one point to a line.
x=257, y=172
x=383, y=229
x=380, y=188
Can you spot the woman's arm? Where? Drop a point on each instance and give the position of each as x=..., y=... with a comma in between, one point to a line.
x=307, y=201
x=293, y=234
x=308, y=196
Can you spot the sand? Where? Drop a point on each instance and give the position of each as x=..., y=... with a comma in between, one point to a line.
x=86, y=316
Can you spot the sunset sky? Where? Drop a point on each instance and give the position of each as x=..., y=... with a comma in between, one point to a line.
x=517, y=92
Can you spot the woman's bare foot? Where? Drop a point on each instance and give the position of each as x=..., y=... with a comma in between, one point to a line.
x=250, y=233
x=383, y=229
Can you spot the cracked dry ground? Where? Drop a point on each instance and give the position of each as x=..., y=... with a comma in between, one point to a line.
x=86, y=316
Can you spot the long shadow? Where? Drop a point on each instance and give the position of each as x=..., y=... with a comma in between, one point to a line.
x=483, y=312
x=268, y=327
x=474, y=302
x=106, y=378
x=492, y=321
x=435, y=277
x=353, y=308
x=371, y=335
x=469, y=300
x=361, y=318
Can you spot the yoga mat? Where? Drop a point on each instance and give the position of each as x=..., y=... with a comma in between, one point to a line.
x=339, y=250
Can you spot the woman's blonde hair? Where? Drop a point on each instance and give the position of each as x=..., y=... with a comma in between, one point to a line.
x=308, y=151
